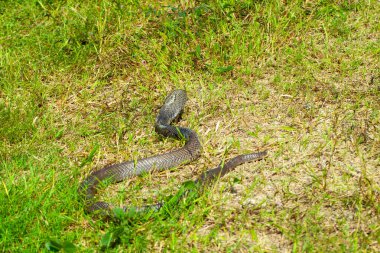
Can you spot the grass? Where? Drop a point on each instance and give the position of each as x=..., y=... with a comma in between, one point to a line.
x=81, y=83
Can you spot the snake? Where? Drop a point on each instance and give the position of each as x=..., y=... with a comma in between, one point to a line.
x=170, y=112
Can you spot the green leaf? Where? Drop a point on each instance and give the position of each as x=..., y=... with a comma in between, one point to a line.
x=198, y=51
x=53, y=245
x=59, y=134
x=288, y=128
x=69, y=247
x=90, y=156
x=106, y=240
x=222, y=70
x=118, y=212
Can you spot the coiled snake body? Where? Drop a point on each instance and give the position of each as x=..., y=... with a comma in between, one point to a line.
x=171, y=110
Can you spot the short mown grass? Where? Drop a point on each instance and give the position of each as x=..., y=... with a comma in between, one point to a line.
x=80, y=86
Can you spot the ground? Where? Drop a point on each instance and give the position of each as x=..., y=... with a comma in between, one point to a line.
x=80, y=87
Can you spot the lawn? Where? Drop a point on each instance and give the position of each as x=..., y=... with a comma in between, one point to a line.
x=81, y=84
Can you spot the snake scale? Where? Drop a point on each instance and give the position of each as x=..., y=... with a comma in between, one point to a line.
x=169, y=112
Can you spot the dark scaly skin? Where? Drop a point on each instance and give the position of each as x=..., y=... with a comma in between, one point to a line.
x=231, y=164
x=171, y=110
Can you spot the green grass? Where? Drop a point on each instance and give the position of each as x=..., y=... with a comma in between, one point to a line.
x=81, y=83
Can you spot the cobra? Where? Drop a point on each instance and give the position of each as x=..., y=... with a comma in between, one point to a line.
x=169, y=112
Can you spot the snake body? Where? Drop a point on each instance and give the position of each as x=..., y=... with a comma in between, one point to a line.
x=170, y=111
